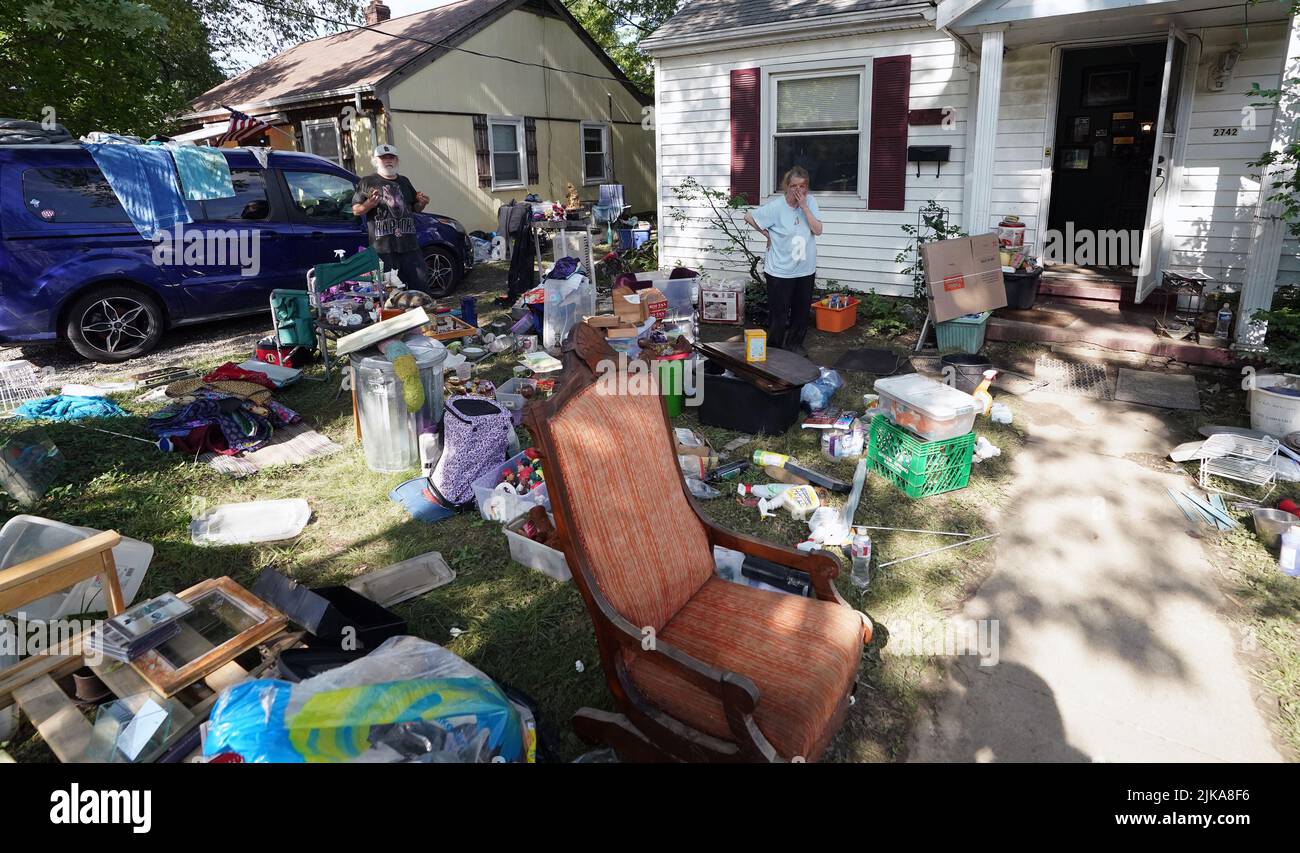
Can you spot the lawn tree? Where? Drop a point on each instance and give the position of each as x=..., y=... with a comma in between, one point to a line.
x=619, y=25
x=725, y=215
x=127, y=66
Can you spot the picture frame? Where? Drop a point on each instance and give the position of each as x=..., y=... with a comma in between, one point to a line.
x=1076, y=158
x=242, y=621
x=1108, y=85
x=1081, y=127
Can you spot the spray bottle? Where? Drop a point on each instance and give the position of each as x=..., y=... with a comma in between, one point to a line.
x=981, y=392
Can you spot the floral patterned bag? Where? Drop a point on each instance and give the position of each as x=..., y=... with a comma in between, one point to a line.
x=475, y=436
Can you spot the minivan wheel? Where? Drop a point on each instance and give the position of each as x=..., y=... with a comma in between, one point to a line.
x=114, y=324
x=444, y=271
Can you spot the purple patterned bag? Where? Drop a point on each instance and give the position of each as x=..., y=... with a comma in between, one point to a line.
x=475, y=436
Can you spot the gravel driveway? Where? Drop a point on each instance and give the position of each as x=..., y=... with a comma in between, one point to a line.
x=179, y=347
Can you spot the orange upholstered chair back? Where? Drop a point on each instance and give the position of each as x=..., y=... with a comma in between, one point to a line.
x=612, y=472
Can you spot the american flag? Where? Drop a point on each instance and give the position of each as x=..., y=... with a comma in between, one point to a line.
x=242, y=127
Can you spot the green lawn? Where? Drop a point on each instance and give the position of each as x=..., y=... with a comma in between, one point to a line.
x=518, y=625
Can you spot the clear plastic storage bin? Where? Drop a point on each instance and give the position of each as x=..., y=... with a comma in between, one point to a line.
x=26, y=537
x=926, y=407
x=567, y=301
x=535, y=555
x=390, y=435
x=512, y=505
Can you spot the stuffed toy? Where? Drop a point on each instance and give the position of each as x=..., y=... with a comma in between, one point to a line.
x=408, y=372
x=538, y=528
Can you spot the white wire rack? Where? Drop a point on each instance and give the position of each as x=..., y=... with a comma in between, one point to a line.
x=1240, y=459
x=20, y=381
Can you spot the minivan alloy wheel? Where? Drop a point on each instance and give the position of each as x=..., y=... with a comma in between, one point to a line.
x=116, y=324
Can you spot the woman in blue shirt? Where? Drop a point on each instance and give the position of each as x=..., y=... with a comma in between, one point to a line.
x=790, y=222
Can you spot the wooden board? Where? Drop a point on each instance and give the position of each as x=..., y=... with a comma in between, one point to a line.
x=62, y=725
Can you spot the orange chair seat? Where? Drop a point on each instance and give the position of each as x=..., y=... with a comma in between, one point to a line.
x=801, y=653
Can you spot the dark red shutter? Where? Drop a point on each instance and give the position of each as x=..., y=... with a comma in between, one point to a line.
x=891, y=80
x=530, y=148
x=746, y=136
x=482, y=153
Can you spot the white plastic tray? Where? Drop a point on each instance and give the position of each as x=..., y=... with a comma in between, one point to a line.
x=254, y=521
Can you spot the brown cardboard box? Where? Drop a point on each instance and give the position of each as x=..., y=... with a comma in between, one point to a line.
x=603, y=321
x=964, y=276
x=627, y=305
x=655, y=303
x=637, y=306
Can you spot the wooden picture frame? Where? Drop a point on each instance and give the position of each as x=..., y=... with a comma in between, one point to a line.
x=169, y=678
x=1105, y=86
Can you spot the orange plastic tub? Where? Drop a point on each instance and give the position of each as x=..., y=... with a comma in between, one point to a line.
x=836, y=319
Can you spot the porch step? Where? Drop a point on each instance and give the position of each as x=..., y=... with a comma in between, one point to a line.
x=1106, y=328
x=1084, y=289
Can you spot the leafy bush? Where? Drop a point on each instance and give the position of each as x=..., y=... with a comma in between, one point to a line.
x=883, y=317
x=934, y=225
x=1283, y=328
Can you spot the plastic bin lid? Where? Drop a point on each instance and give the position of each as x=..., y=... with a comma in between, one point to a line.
x=974, y=320
x=427, y=352
x=939, y=401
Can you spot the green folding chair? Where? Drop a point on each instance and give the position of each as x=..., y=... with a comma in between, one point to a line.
x=296, y=314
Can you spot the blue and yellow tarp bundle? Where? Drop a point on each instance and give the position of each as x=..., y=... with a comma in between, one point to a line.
x=264, y=721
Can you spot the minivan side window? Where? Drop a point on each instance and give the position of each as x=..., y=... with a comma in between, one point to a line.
x=248, y=203
x=71, y=194
x=320, y=196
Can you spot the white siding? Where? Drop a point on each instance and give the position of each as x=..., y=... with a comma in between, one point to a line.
x=1218, y=192
x=1216, y=198
x=1018, y=165
x=858, y=246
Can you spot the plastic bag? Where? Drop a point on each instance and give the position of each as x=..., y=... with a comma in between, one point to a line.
x=408, y=700
x=818, y=393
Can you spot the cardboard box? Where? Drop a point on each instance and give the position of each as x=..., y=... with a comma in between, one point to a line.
x=964, y=276
x=636, y=306
x=603, y=321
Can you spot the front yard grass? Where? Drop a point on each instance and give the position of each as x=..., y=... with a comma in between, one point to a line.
x=515, y=624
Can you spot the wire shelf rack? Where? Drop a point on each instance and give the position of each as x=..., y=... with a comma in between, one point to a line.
x=20, y=381
x=1239, y=459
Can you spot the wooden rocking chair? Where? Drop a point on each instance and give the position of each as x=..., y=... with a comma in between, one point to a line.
x=702, y=669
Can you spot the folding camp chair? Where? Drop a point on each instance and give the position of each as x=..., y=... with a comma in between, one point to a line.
x=297, y=314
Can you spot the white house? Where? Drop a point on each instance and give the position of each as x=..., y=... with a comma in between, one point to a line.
x=1091, y=114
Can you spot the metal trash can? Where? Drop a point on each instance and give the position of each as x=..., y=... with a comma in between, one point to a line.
x=390, y=435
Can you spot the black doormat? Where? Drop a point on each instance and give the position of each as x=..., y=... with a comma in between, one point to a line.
x=881, y=362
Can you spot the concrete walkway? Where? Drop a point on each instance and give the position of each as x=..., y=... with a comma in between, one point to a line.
x=1111, y=644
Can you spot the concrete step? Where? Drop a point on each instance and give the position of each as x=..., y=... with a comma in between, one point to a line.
x=1108, y=329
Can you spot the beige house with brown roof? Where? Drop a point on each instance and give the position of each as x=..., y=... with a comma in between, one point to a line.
x=487, y=101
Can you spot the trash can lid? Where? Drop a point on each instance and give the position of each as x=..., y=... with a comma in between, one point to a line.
x=427, y=352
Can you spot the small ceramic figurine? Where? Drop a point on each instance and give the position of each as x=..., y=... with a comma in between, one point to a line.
x=571, y=197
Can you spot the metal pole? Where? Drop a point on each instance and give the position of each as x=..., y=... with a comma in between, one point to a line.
x=935, y=551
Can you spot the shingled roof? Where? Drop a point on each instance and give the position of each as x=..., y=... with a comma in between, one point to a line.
x=359, y=59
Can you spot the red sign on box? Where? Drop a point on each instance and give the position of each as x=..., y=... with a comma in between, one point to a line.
x=954, y=282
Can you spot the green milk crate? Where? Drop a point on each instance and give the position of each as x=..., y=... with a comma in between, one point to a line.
x=919, y=468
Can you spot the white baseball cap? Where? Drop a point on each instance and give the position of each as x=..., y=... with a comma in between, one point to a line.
x=385, y=149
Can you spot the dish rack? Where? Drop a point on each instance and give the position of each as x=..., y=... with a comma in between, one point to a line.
x=20, y=382
x=1240, y=459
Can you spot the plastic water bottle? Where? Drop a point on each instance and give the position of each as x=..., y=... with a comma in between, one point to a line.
x=860, y=555
x=1224, y=322
x=1289, y=556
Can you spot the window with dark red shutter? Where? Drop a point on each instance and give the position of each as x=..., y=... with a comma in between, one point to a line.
x=746, y=135
x=891, y=78
x=482, y=151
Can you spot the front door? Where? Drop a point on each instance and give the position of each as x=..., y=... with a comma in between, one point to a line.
x=1162, y=165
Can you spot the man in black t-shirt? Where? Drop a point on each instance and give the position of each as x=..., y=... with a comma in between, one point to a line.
x=388, y=200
